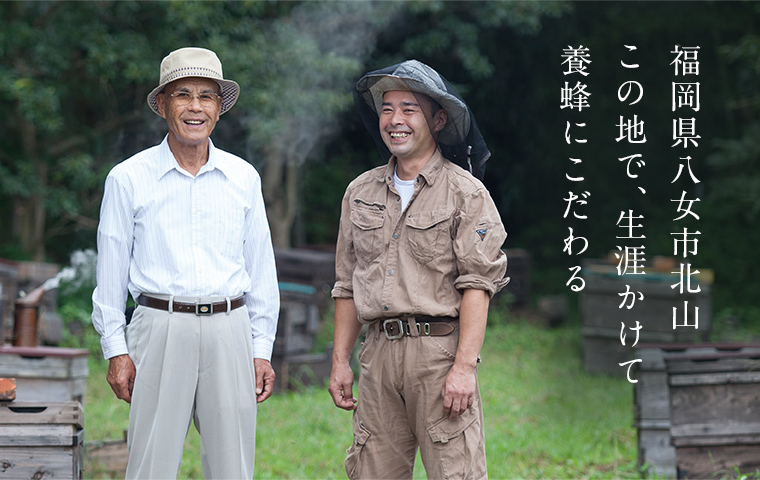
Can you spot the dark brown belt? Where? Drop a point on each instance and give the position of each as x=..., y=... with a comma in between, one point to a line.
x=199, y=308
x=395, y=328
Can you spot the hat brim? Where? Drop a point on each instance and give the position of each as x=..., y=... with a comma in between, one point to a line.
x=230, y=93
x=458, y=122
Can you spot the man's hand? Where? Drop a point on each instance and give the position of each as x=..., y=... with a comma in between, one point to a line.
x=347, y=329
x=341, y=386
x=459, y=389
x=121, y=376
x=264, y=379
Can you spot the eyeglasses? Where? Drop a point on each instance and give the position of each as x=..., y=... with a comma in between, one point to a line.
x=185, y=98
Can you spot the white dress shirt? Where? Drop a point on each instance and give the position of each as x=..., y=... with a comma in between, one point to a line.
x=164, y=231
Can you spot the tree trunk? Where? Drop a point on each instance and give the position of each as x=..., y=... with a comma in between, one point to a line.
x=279, y=187
x=31, y=210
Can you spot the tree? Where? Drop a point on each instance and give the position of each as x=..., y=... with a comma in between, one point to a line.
x=62, y=95
x=74, y=98
x=311, y=58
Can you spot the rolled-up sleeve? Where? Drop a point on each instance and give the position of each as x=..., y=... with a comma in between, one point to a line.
x=480, y=234
x=345, y=259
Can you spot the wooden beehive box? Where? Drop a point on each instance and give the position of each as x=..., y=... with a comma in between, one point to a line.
x=652, y=398
x=715, y=413
x=47, y=374
x=602, y=315
x=41, y=440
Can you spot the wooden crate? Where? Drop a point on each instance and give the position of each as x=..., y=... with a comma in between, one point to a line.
x=714, y=416
x=652, y=398
x=46, y=373
x=41, y=440
x=602, y=316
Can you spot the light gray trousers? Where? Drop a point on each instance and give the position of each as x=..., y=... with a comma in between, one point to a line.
x=197, y=368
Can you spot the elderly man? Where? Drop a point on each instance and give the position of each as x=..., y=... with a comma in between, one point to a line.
x=183, y=229
x=418, y=259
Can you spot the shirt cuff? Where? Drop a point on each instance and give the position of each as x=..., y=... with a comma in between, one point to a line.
x=262, y=348
x=342, y=291
x=479, y=283
x=114, y=346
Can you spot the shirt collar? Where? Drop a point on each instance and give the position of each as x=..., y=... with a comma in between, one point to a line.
x=167, y=161
x=429, y=172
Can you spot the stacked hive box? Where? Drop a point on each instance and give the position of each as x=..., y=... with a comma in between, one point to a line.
x=46, y=373
x=41, y=439
x=305, y=280
x=602, y=314
x=652, y=398
x=715, y=413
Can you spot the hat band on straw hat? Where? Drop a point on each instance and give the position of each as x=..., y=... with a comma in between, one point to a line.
x=194, y=62
x=189, y=72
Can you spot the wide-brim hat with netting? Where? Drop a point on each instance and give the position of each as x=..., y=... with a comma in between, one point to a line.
x=194, y=62
x=460, y=139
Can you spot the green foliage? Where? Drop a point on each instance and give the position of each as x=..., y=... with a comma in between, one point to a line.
x=78, y=331
x=736, y=324
x=75, y=75
x=736, y=473
x=77, y=281
x=454, y=30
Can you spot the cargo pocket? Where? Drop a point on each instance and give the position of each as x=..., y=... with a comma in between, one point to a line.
x=457, y=444
x=353, y=454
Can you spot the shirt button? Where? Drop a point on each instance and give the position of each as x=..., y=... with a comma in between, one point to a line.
x=385, y=307
x=390, y=272
x=395, y=235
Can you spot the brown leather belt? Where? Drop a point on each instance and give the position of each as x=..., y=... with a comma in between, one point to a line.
x=395, y=328
x=199, y=308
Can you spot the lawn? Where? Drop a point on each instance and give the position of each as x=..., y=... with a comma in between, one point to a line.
x=545, y=417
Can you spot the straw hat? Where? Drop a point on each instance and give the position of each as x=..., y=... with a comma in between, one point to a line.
x=415, y=76
x=194, y=62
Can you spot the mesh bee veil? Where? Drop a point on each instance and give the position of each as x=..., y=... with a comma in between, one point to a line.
x=459, y=141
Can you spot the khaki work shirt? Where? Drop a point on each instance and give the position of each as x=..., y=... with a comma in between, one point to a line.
x=418, y=262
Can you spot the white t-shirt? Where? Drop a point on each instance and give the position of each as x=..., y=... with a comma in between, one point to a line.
x=405, y=189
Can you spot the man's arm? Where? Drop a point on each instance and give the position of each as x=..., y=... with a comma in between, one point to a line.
x=114, y=239
x=460, y=384
x=347, y=329
x=263, y=300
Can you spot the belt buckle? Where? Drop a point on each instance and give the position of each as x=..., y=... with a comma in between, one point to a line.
x=204, y=308
x=400, y=328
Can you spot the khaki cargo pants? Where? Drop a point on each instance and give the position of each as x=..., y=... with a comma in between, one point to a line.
x=400, y=408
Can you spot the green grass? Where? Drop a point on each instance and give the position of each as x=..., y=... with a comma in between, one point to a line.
x=545, y=417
